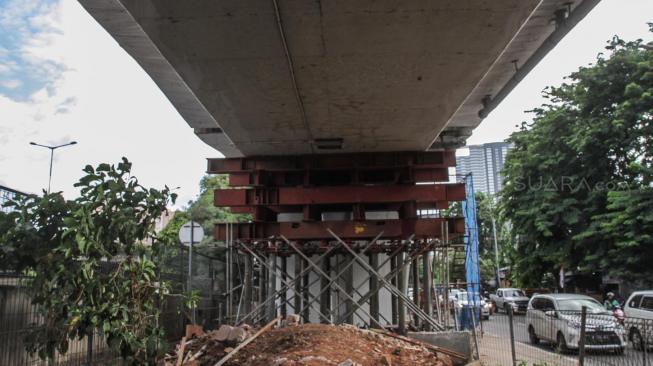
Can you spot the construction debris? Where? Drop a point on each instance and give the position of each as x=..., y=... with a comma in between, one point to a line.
x=308, y=344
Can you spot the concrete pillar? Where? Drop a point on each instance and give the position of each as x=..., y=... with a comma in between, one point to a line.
x=428, y=286
x=414, y=274
x=325, y=298
x=393, y=281
x=305, y=292
x=401, y=306
x=272, y=287
x=262, y=285
x=297, y=305
x=284, y=278
x=374, y=285
x=348, y=277
x=247, y=285
x=228, y=272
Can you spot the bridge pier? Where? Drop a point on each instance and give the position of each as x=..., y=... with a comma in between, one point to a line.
x=340, y=238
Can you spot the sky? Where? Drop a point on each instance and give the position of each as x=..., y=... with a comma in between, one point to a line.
x=63, y=78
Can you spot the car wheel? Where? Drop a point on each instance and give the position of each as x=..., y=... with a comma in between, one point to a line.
x=619, y=351
x=505, y=308
x=561, y=344
x=486, y=317
x=636, y=338
x=532, y=336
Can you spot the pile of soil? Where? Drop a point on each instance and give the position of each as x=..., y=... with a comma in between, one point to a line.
x=310, y=345
x=322, y=345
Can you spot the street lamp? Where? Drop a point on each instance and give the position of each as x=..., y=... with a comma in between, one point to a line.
x=52, y=148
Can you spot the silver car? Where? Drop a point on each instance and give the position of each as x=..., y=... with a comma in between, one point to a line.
x=639, y=319
x=556, y=318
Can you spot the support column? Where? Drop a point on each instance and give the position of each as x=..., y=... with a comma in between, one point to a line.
x=401, y=306
x=297, y=305
x=248, y=284
x=374, y=286
x=305, y=292
x=393, y=297
x=325, y=298
x=228, y=283
x=428, y=287
x=284, y=295
x=414, y=270
x=348, y=277
x=262, y=287
x=272, y=288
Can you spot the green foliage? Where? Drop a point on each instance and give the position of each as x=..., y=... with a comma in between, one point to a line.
x=204, y=211
x=486, y=211
x=90, y=268
x=578, y=178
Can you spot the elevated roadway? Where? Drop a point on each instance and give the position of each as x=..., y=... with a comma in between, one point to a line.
x=291, y=77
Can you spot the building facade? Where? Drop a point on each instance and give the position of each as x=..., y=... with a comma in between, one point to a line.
x=7, y=194
x=484, y=162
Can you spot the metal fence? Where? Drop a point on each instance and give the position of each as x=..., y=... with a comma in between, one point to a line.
x=564, y=338
x=18, y=317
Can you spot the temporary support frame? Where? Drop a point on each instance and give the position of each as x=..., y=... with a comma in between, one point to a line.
x=322, y=303
x=338, y=238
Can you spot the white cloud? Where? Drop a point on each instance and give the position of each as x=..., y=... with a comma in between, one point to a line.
x=101, y=98
x=11, y=83
x=97, y=95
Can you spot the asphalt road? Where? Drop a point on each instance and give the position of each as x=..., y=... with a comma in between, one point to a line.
x=498, y=325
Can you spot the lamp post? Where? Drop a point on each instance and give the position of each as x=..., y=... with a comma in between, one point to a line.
x=496, y=249
x=52, y=148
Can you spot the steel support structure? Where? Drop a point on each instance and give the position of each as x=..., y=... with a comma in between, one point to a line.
x=339, y=238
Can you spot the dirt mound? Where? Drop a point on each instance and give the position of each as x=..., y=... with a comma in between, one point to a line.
x=321, y=345
x=309, y=345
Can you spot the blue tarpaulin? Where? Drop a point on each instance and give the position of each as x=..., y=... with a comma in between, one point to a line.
x=472, y=275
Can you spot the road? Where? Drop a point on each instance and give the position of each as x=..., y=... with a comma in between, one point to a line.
x=498, y=325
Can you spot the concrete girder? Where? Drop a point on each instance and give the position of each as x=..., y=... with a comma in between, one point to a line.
x=380, y=75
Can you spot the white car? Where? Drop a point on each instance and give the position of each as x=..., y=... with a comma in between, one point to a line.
x=639, y=317
x=556, y=318
x=461, y=300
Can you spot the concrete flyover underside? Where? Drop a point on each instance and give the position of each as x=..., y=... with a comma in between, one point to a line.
x=283, y=77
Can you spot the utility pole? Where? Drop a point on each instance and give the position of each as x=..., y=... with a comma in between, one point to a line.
x=496, y=245
x=52, y=148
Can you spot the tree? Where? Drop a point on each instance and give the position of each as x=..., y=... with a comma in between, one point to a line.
x=579, y=175
x=487, y=211
x=89, y=267
x=205, y=212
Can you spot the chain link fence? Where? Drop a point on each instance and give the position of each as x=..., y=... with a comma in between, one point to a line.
x=554, y=337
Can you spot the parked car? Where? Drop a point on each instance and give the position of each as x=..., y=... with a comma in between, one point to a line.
x=639, y=317
x=461, y=300
x=506, y=298
x=556, y=318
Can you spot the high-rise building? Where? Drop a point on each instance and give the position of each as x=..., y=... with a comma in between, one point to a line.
x=485, y=163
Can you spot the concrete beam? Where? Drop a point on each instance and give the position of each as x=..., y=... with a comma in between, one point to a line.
x=341, y=71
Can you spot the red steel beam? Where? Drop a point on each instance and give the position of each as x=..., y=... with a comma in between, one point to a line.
x=382, y=160
x=300, y=196
x=398, y=176
x=422, y=228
